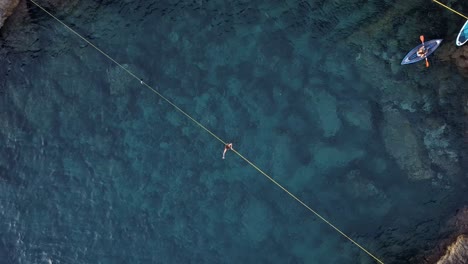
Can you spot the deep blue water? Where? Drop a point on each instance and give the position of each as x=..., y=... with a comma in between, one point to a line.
x=95, y=168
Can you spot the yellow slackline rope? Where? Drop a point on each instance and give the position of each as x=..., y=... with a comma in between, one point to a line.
x=454, y=11
x=129, y=72
x=214, y=135
x=310, y=209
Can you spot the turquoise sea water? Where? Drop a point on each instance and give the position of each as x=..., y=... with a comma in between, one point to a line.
x=95, y=168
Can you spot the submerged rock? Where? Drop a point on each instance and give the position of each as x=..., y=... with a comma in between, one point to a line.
x=326, y=107
x=402, y=144
x=6, y=9
x=119, y=81
x=437, y=142
x=460, y=221
x=457, y=55
x=361, y=187
x=358, y=114
x=327, y=157
x=257, y=221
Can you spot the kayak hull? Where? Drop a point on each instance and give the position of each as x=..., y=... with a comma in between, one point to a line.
x=462, y=37
x=413, y=57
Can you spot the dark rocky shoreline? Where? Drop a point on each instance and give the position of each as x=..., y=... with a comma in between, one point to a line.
x=7, y=8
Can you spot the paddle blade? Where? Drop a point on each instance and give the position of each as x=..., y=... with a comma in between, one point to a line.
x=427, y=63
x=421, y=38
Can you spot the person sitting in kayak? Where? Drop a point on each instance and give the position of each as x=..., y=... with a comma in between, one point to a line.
x=226, y=148
x=422, y=51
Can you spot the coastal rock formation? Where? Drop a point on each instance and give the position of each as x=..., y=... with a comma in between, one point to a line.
x=6, y=9
x=460, y=221
x=9, y=8
x=457, y=253
x=452, y=248
x=18, y=33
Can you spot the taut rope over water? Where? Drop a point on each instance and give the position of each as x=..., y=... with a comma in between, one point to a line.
x=454, y=11
x=212, y=134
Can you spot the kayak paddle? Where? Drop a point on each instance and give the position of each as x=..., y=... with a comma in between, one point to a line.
x=422, y=41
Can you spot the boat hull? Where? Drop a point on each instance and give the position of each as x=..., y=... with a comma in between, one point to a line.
x=413, y=57
x=462, y=37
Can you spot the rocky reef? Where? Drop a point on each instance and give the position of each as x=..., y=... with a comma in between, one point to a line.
x=409, y=138
x=422, y=118
x=457, y=55
x=6, y=9
x=402, y=143
x=18, y=8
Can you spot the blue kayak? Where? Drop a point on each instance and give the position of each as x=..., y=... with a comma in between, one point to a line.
x=462, y=37
x=413, y=56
